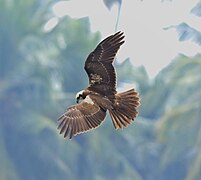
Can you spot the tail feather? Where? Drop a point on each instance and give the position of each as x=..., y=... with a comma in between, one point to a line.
x=125, y=108
x=116, y=121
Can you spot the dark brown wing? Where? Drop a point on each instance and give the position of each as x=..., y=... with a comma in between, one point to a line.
x=81, y=118
x=102, y=76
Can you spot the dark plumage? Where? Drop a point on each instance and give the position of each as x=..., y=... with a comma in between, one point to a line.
x=101, y=94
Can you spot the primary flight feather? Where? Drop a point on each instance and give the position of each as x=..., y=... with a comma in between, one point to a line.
x=101, y=94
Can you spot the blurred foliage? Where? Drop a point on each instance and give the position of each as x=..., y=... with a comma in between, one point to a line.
x=197, y=9
x=41, y=71
x=110, y=3
x=187, y=33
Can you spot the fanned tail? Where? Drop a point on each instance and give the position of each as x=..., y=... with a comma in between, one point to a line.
x=125, y=108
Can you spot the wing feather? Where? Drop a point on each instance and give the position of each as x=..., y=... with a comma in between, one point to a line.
x=68, y=127
x=81, y=118
x=99, y=67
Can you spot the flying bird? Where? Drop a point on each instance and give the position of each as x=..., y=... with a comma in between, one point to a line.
x=101, y=94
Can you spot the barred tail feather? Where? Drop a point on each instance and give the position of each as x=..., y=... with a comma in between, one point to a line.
x=125, y=108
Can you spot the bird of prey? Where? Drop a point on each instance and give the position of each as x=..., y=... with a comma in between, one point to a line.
x=101, y=94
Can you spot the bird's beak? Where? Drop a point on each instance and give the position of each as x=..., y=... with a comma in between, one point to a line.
x=78, y=100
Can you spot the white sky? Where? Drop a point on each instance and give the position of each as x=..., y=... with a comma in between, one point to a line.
x=147, y=43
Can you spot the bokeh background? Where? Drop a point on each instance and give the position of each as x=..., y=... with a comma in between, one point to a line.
x=42, y=53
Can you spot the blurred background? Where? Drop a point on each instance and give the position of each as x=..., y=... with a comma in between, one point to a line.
x=43, y=46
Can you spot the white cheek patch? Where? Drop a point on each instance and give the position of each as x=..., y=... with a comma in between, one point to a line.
x=79, y=93
x=88, y=100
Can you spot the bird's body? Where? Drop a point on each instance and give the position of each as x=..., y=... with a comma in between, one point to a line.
x=101, y=94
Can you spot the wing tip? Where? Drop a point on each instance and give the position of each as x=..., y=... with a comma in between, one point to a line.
x=119, y=34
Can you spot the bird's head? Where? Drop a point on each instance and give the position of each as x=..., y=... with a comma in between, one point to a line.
x=80, y=96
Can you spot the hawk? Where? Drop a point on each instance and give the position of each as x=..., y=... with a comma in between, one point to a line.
x=101, y=95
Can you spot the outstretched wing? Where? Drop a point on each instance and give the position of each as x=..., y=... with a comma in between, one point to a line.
x=101, y=73
x=81, y=118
